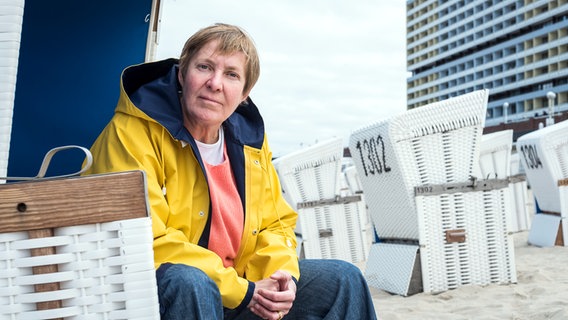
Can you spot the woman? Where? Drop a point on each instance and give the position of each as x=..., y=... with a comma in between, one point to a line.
x=224, y=243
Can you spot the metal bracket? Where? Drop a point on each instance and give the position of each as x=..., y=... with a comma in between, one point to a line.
x=517, y=178
x=323, y=202
x=472, y=185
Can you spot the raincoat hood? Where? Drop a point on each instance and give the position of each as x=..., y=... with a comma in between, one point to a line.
x=152, y=91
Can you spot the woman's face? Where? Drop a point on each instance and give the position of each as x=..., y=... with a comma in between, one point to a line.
x=212, y=87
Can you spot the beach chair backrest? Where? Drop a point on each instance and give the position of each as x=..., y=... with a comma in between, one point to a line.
x=331, y=225
x=495, y=155
x=544, y=156
x=312, y=173
x=433, y=144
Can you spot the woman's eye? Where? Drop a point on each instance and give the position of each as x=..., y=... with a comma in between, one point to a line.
x=202, y=66
x=233, y=75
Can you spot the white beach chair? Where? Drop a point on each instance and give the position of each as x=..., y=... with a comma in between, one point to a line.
x=410, y=165
x=495, y=161
x=329, y=224
x=544, y=155
x=77, y=248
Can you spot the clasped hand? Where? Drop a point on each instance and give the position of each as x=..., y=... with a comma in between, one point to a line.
x=273, y=297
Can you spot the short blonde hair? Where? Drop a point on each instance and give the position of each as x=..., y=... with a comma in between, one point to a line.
x=231, y=39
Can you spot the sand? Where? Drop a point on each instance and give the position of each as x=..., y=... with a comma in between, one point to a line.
x=541, y=292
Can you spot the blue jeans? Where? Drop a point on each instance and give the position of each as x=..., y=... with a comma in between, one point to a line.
x=327, y=289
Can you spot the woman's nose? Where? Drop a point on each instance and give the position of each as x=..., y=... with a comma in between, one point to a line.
x=215, y=82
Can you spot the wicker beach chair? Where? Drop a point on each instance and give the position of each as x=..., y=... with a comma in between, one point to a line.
x=544, y=155
x=329, y=225
x=77, y=248
x=495, y=161
x=438, y=227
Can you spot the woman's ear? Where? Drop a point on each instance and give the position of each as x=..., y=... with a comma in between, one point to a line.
x=180, y=77
x=245, y=96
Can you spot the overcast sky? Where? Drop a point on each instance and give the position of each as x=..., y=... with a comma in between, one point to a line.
x=328, y=67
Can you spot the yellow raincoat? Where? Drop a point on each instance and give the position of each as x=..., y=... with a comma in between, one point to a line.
x=147, y=133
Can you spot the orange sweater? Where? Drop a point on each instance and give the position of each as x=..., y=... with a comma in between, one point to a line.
x=227, y=212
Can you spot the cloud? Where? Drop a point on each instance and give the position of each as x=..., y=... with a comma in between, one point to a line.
x=327, y=66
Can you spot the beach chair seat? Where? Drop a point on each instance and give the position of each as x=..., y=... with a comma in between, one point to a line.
x=329, y=224
x=77, y=248
x=400, y=161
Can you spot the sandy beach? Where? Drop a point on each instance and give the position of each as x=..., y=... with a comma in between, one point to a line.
x=541, y=292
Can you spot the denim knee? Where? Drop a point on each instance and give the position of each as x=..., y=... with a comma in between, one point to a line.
x=183, y=275
x=334, y=269
x=184, y=291
x=347, y=294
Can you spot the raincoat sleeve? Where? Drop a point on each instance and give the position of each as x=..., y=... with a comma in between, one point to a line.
x=128, y=143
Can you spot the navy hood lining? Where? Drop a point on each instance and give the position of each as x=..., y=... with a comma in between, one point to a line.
x=154, y=89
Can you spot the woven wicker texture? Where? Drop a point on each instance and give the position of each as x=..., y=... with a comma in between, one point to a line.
x=495, y=155
x=353, y=180
x=77, y=248
x=520, y=213
x=544, y=156
x=436, y=144
x=105, y=271
x=312, y=181
x=311, y=174
x=10, y=30
x=355, y=187
x=334, y=232
x=495, y=162
x=487, y=253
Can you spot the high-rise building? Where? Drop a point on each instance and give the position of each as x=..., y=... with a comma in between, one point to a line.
x=518, y=49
